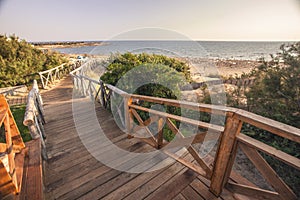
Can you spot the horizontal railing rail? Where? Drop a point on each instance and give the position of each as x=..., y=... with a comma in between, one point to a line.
x=56, y=73
x=229, y=135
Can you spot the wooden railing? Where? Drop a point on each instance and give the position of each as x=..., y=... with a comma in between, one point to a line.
x=229, y=136
x=34, y=117
x=11, y=156
x=51, y=75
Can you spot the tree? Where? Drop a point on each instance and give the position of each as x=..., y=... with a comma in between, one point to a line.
x=276, y=92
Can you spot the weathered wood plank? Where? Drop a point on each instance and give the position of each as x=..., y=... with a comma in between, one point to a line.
x=174, y=185
x=273, y=126
x=288, y=159
x=198, y=123
x=252, y=191
x=34, y=179
x=215, y=109
x=190, y=194
x=223, y=164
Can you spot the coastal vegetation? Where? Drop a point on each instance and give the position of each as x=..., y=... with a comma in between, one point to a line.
x=20, y=61
x=156, y=69
x=275, y=94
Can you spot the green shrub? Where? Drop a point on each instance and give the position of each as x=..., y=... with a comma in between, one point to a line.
x=20, y=61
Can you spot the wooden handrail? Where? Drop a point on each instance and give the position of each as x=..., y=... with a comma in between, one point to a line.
x=34, y=117
x=229, y=136
x=53, y=74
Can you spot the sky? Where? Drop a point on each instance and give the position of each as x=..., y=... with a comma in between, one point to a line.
x=233, y=20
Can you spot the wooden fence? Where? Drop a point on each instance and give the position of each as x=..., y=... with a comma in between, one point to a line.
x=34, y=117
x=51, y=75
x=217, y=169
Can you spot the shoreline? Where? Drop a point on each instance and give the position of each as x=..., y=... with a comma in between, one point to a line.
x=57, y=45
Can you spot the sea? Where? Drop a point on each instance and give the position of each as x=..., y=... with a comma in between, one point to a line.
x=239, y=50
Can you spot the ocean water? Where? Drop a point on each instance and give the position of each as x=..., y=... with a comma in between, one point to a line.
x=195, y=49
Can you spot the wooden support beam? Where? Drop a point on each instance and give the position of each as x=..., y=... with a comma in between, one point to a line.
x=141, y=122
x=191, y=150
x=225, y=155
x=252, y=191
x=268, y=173
x=10, y=153
x=160, y=137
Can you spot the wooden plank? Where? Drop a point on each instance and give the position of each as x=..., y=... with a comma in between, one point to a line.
x=10, y=153
x=190, y=194
x=19, y=160
x=160, y=136
x=3, y=148
x=191, y=150
x=222, y=165
x=34, y=182
x=15, y=133
x=147, y=188
x=288, y=159
x=186, y=163
x=173, y=186
x=86, y=171
x=226, y=194
x=203, y=190
x=92, y=183
x=215, y=109
x=268, y=173
x=127, y=113
x=179, y=197
x=198, y=123
x=124, y=177
x=137, y=116
x=2, y=115
x=270, y=125
x=194, y=139
x=143, y=178
x=6, y=184
x=252, y=191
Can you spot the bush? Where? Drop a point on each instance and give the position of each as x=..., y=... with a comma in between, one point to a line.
x=160, y=68
x=20, y=61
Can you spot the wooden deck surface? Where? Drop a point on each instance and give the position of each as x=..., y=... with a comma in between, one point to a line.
x=73, y=173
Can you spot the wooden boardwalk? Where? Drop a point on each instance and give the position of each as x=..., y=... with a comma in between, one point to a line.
x=73, y=173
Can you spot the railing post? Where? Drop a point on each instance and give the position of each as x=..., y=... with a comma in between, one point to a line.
x=225, y=155
x=82, y=86
x=11, y=159
x=127, y=114
x=160, y=136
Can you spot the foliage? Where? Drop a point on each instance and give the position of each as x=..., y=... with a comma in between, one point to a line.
x=20, y=61
x=276, y=92
x=122, y=63
x=160, y=76
x=18, y=112
x=276, y=95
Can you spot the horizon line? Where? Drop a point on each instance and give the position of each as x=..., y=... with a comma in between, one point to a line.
x=196, y=40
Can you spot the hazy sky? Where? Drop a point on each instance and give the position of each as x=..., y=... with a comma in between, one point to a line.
x=54, y=20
